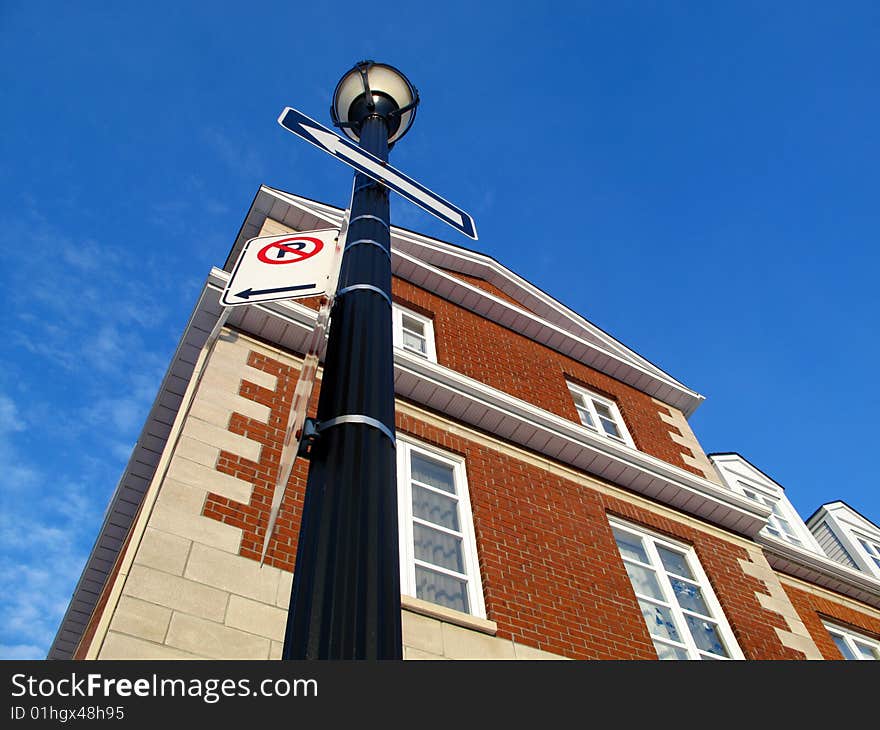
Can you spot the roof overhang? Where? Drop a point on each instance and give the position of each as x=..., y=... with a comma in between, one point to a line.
x=426, y=262
x=821, y=570
x=458, y=397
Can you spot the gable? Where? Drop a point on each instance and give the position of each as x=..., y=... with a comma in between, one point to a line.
x=478, y=282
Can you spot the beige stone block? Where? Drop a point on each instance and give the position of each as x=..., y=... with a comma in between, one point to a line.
x=460, y=643
x=218, y=436
x=698, y=464
x=756, y=570
x=422, y=632
x=215, y=403
x=256, y=618
x=198, y=636
x=271, y=227
x=411, y=654
x=285, y=586
x=208, y=479
x=179, y=512
x=802, y=644
x=197, y=451
x=530, y=653
x=258, y=377
x=223, y=380
x=233, y=573
x=175, y=592
x=276, y=649
x=139, y=618
x=163, y=551
x=120, y=646
x=780, y=605
x=212, y=413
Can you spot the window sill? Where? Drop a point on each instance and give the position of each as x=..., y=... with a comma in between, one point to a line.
x=451, y=616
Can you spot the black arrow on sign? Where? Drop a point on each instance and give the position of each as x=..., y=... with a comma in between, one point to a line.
x=248, y=293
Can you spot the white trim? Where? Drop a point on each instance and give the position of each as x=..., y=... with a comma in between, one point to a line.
x=469, y=401
x=554, y=325
x=743, y=478
x=852, y=640
x=406, y=446
x=847, y=525
x=594, y=418
x=650, y=542
x=398, y=312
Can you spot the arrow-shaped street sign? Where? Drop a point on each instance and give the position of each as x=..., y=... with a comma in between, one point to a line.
x=367, y=163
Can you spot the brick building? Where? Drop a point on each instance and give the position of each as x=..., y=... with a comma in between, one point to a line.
x=554, y=502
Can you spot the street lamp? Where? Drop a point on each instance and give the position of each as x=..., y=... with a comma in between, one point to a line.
x=345, y=601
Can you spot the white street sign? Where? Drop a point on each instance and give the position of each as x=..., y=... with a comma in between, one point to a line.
x=367, y=163
x=291, y=266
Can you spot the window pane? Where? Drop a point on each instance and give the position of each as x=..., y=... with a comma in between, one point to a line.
x=603, y=410
x=844, y=649
x=586, y=418
x=438, y=548
x=442, y=589
x=689, y=597
x=675, y=562
x=413, y=325
x=610, y=427
x=664, y=651
x=660, y=621
x=414, y=343
x=644, y=581
x=706, y=635
x=866, y=651
x=432, y=473
x=434, y=507
x=630, y=546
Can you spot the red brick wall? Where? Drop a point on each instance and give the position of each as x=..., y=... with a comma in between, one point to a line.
x=506, y=360
x=552, y=576
x=812, y=609
x=486, y=286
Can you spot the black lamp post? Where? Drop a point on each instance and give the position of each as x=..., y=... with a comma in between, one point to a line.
x=345, y=602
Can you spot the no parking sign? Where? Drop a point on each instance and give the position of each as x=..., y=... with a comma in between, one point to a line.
x=291, y=266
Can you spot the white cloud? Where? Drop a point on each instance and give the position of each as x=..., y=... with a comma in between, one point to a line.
x=41, y=556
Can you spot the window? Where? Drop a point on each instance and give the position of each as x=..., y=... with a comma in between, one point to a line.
x=871, y=548
x=683, y=616
x=438, y=553
x=413, y=333
x=778, y=523
x=853, y=645
x=600, y=415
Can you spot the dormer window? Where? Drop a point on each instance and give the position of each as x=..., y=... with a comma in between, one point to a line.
x=871, y=548
x=600, y=415
x=778, y=524
x=413, y=333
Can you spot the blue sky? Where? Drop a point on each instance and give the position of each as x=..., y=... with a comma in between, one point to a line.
x=699, y=179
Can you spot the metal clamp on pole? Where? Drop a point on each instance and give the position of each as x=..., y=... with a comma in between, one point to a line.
x=312, y=430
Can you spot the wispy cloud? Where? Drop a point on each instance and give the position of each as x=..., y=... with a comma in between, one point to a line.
x=81, y=367
x=239, y=157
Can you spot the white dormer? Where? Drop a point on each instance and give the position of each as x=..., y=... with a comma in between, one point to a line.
x=784, y=523
x=848, y=537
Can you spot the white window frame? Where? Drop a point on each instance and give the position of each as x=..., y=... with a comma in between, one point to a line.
x=779, y=509
x=588, y=403
x=397, y=314
x=405, y=448
x=853, y=640
x=870, y=548
x=651, y=541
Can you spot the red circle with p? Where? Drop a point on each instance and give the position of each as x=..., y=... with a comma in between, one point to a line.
x=290, y=250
